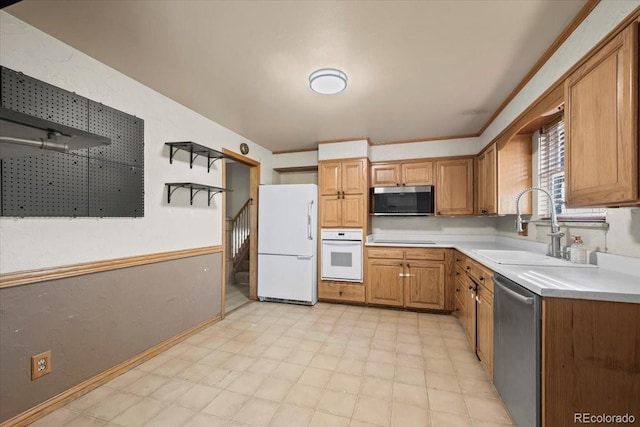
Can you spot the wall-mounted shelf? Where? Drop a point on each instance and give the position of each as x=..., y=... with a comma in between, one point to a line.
x=194, y=151
x=193, y=189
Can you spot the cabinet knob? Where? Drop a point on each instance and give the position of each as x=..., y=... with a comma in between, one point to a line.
x=481, y=279
x=457, y=274
x=457, y=289
x=468, y=268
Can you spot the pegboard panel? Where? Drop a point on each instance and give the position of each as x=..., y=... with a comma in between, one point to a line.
x=34, y=97
x=100, y=181
x=126, y=133
x=46, y=185
x=115, y=190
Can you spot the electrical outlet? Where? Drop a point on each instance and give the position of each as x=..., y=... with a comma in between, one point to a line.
x=40, y=365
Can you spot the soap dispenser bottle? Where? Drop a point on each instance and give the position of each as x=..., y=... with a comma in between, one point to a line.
x=578, y=253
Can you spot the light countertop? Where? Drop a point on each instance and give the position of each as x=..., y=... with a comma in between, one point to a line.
x=611, y=281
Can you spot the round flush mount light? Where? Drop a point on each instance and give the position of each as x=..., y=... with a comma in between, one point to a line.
x=328, y=81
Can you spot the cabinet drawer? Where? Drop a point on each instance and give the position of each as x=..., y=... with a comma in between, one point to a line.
x=481, y=274
x=460, y=260
x=485, y=277
x=385, y=253
x=334, y=291
x=425, y=254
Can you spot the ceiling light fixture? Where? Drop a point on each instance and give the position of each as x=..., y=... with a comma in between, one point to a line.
x=328, y=81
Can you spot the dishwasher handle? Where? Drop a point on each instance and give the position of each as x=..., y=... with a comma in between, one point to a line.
x=523, y=299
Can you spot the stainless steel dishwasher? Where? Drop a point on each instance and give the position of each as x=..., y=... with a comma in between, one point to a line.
x=516, y=357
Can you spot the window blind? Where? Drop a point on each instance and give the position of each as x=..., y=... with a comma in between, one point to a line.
x=551, y=176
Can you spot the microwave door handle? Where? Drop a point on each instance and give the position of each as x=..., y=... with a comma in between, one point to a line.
x=309, y=220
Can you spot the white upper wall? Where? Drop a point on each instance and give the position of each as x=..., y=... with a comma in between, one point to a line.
x=606, y=15
x=35, y=243
x=343, y=150
x=297, y=159
x=416, y=150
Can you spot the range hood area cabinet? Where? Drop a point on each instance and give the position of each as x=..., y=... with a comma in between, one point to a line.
x=406, y=173
x=601, y=125
x=502, y=171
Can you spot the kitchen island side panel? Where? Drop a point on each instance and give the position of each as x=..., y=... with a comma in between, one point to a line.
x=96, y=321
x=590, y=360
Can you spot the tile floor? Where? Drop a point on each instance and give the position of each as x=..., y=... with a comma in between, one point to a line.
x=270, y=364
x=235, y=296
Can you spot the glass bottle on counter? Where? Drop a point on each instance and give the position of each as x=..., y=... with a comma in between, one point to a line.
x=578, y=253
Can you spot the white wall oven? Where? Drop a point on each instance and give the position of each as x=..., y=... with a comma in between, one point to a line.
x=342, y=255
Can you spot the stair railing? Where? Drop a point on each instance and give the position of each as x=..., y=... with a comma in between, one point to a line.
x=240, y=228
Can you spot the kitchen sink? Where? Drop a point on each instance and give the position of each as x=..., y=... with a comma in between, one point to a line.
x=526, y=258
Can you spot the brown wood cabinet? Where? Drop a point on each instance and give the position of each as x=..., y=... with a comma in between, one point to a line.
x=391, y=174
x=474, y=306
x=454, y=187
x=487, y=182
x=484, y=327
x=514, y=174
x=341, y=292
x=590, y=359
x=424, y=287
x=412, y=278
x=343, y=193
x=601, y=125
x=385, y=284
x=502, y=171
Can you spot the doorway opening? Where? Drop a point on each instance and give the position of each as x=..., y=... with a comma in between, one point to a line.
x=241, y=175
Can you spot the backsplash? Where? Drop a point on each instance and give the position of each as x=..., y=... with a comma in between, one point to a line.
x=622, y=237
x=434, y=225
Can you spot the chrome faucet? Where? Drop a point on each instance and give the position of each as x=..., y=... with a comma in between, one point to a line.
x=556, y=234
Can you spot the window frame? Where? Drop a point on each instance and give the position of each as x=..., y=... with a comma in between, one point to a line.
x=550, y=176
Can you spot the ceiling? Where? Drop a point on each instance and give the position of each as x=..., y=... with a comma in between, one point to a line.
x=416, y=69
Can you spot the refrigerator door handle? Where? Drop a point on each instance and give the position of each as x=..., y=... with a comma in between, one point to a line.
x=309, y=220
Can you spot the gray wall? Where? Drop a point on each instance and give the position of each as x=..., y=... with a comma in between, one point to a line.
x=93, y=322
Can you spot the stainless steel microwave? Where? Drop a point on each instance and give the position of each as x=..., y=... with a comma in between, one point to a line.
x=402, y=201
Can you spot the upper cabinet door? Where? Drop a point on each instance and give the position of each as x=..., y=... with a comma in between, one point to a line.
x=454, y=187
x=385, y=175
x=420, y=173
x=354, y=176
x=601, y=125
x=330, y=177
x=490, y=185
x=330, y=211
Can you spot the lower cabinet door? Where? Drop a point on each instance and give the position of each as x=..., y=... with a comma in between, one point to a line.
x=385, y=283
x=424, y=285
x=485, y=328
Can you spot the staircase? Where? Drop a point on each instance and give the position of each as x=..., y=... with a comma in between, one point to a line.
x=241, y=273
x=240, y=243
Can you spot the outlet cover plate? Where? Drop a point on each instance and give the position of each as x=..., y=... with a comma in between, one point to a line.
x=40, y=365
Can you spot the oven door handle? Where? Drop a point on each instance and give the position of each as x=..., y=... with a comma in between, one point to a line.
x=309, y=220
x=341, y=242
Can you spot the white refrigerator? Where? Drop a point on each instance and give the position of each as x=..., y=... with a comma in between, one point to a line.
x=287, y=243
